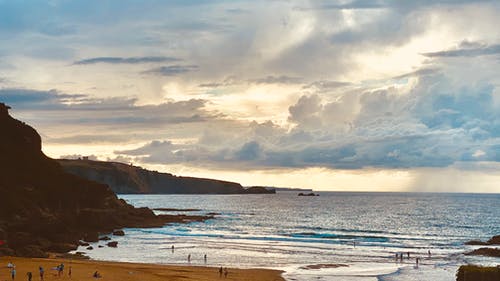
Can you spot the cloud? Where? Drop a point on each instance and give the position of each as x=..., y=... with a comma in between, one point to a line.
x=129, y=60
x=283, y=79
x=467, y=49
x=153, y=148
x=171, y=70
x=81, y=119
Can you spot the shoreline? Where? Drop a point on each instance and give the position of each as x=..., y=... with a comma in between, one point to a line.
x=128, y=271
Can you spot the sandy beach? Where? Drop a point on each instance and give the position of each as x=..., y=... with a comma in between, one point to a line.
x=118, y=271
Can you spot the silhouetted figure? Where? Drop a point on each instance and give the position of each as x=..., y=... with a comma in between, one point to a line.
x=416, y=261
x=60, y=270
x=42, y=272
x=30, y=275
x=408, y=254
x=205, y=258
x=401, y=257
x=429, y=253
x=397, y=256
x=220, y=272
x=189, y=258
x=173, y=248
x=13, y=273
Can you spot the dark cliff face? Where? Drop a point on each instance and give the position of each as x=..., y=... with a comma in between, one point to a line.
x=127, y=179
x=42, y=207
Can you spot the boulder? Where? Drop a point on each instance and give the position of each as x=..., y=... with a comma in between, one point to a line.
x=83, y=244
x=90, y=248
x=105, y=238
x=495, y=240
x=112, y=244
x=118, y=233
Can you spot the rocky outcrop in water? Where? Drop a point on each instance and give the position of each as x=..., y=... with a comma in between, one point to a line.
x=479, y=273
x=128, y=179
x=487, y=252
x=495, y=240
x=44, y=209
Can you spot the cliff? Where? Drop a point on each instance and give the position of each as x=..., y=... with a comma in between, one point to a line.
x=128, y=179
x=43, y=208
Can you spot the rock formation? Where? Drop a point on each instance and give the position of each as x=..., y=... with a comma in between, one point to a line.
x=43, y=208
x=474, y=272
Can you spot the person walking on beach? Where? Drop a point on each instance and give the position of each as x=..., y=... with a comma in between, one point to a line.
x=189, y=258
x=408, y=255
x=429, y=253
x=205, y=258
x=40, y=269
x=416, y=261
x=30, y=275
x=60, y=270
x=13, y=273
x=220, y=272
x=225, y=272
x=173, y=248
x=69, y=272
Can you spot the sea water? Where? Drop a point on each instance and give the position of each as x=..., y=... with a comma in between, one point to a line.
x=360, y=232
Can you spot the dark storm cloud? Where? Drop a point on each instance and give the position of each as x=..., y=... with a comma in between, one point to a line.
x=129, y=60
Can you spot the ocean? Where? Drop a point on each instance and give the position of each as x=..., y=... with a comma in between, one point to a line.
x=361, y=232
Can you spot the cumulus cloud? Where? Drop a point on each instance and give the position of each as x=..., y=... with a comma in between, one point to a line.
x=348, y=84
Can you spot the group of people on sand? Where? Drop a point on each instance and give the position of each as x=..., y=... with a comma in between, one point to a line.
x=59, y=268
x=399, y=257
x=41, y=270
x=223, y=271
x=204, y=258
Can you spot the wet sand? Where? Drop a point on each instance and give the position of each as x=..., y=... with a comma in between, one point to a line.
x=119, y=271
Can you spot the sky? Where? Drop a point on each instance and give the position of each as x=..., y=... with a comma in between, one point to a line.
x=331, y=95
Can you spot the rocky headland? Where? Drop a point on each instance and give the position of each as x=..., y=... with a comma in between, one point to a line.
x=128, y=179
x=45, y=209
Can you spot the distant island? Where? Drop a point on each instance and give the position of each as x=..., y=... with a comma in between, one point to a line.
x=128, y=179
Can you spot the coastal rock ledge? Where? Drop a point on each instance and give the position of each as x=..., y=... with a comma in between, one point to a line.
x=44, y=209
